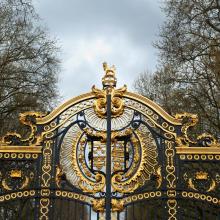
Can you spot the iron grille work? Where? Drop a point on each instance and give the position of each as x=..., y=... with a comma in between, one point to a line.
x=109, y=154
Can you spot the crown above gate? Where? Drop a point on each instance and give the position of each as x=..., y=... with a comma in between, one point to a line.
x=109, y=80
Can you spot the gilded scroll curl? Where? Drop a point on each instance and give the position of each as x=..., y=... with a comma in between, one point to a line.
x=183, y=140
x=27, y=119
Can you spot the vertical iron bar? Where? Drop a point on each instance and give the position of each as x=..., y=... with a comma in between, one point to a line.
x=92, y=146
x=108, y=161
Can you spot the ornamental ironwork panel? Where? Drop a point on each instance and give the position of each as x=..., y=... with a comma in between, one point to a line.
x=109, y=154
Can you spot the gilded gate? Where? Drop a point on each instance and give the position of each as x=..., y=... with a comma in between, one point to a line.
x=109, y=150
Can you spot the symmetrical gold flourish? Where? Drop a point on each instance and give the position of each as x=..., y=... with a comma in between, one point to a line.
x=100, y=104
x=109, y=84
x=192, y=181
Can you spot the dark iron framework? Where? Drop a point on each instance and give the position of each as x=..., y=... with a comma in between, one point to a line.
x=109, y=154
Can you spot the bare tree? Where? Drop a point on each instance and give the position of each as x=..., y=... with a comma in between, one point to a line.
x=28, y=63
x=189, y=72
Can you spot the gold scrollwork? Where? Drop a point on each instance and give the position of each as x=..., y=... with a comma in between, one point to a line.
x=129, y=182
x=188, y=121
x=109, y=84
x=100, y=104
x=28, y=119
x=76, y=172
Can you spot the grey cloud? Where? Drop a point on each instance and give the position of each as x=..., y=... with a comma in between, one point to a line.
x=92, y=31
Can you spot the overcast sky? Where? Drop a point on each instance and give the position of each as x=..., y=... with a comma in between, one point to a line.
x=90, y=32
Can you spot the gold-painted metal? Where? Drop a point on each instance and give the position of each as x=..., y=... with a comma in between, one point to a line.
x=5, y=185
x=117, y=205
x=59, y=174
x=171, y=180
x=101, y=102
x=84, y=183
x=170, y=168
x=159, y=177
x=44, y=208
x=21, y=149
x=202, y=197
x=191, y=184
x=139, y=172
x=147, y=102
x=33, y=139
x=212, y=186
x=24, y=184
x=15, y=173
x=63, y=107
x=184, y=141
x=188, y=121
x=103, y=136
x=143, y=196
x=198, y=150
x=98, y=205
x=201, y=175
x=172, y=209
x=19, y=194
x=212, y=141
x=46, y=167
x=109, y=84
x=109, y=80
x=142, y=167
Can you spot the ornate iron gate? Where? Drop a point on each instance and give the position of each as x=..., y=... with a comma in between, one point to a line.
x=109, y=154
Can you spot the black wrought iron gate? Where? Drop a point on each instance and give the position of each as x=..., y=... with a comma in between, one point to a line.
x=109, y=154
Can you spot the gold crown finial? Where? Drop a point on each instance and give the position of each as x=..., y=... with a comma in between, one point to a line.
x=109, y=80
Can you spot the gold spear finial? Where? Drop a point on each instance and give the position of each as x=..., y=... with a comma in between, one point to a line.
x=109, y=80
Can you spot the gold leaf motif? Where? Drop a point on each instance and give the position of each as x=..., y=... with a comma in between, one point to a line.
x=117, y=205
x=98, y=205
